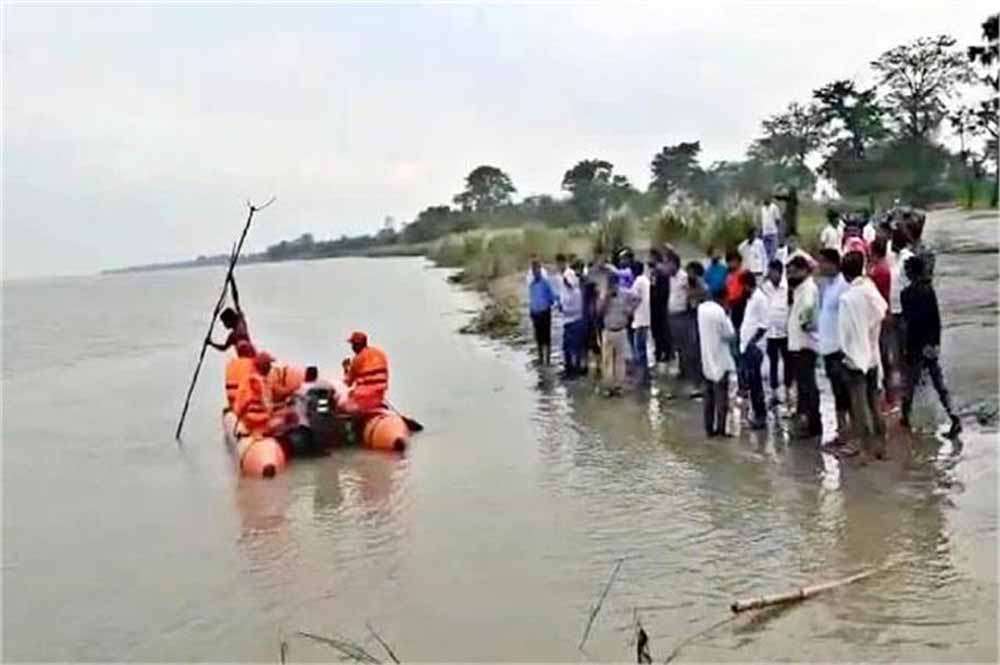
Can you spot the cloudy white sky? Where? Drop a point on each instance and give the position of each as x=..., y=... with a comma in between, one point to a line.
x=134, y=133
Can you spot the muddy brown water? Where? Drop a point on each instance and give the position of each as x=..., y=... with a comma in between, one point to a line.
x=494, y=536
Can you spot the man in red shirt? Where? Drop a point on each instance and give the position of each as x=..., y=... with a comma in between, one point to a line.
x=736, y=298
x=878, y=268
x=881, y=275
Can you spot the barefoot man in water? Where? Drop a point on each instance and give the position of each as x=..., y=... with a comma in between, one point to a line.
x=232, y=318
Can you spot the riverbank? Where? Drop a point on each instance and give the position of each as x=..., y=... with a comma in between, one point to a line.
x=228, y=566
x=967, y=243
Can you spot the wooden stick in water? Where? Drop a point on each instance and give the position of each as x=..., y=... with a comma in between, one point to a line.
x=233, y=259
x=796, y=595
x=600, y=601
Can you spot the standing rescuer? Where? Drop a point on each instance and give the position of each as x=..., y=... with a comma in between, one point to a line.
x=366, y=375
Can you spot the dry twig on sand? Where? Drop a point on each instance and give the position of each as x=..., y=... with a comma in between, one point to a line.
x=349, y=649
x=378, y=638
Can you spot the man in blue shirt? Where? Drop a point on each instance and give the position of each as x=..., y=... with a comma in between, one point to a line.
x=716, y=272
x=622, y=268
x=831, y=286
x=541, y=299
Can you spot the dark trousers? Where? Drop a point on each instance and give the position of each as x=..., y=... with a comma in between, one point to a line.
x=775, y=348
x=751, y=361
x=542, y=324
x=862, y=389
x=574, y=345
x=833, y=363
x=683, y=334
x=914, y=370
x=716, y=405
x=807, y=407
x=658, y=328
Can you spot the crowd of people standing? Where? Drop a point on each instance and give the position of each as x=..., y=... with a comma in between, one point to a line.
x=863, y=309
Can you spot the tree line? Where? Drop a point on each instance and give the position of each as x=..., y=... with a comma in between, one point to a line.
x=874, y=144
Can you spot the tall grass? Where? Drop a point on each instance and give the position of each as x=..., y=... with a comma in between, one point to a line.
x=485, y=255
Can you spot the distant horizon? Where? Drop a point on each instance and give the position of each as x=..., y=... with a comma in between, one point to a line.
x=125, y=146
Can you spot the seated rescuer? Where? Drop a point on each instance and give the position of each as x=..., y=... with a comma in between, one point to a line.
x=366, y=375
x=237, y=369
x=253, y=399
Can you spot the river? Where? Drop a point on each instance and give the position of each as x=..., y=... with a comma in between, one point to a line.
x=493, y=537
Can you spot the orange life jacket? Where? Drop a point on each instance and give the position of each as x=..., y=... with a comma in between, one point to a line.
x=253, y=403
x=237, y=370
x=368, y=377
x=284, y=380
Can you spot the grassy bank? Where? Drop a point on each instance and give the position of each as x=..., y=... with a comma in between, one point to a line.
x=494, y=261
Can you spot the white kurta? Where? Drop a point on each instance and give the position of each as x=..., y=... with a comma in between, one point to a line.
x=754, y=318
x=803, y=317
x=640, y=290
x=715, y=330
x=858, y=324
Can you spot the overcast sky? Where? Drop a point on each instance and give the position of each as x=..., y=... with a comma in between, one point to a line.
x=133, y=134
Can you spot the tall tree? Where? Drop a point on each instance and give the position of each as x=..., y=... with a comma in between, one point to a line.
x=486, y=188
x=595, y=188
x=432, y=222
x=920, y=77
x=987, y=112
x=587, y=182
x=675, y=168
x=851, y=115
x=854, y=122
x=789, y=138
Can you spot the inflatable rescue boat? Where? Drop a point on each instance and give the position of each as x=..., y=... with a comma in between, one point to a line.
x=324, y=429
x=261, y=457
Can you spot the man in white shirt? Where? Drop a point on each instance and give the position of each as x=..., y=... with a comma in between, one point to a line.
x=752, y=332
x=775, y=289
x=791, y=249
x=900, y=252
x=861, y=311
x=869, y=232
x=832, y=235
x=716, y=335
x=831, y=286
x=770, y=217
x=571, y=306
x=803, y=343
x=754, y=254
x=641, y=321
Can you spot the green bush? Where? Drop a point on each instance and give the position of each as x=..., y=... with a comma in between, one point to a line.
x=667, y=227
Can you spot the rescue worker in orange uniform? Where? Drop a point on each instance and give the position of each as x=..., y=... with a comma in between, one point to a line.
x=366, y=375
x=283, y=381
x=253, y=398
x=237, y=369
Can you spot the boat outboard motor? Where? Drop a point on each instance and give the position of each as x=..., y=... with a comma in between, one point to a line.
x=320, y=410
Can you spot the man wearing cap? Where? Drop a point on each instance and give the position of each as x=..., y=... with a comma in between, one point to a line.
x=366, y=375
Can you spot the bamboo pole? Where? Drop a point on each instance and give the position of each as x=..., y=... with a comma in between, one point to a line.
x=233, y=259
x=798, y=594
x=600, y=602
